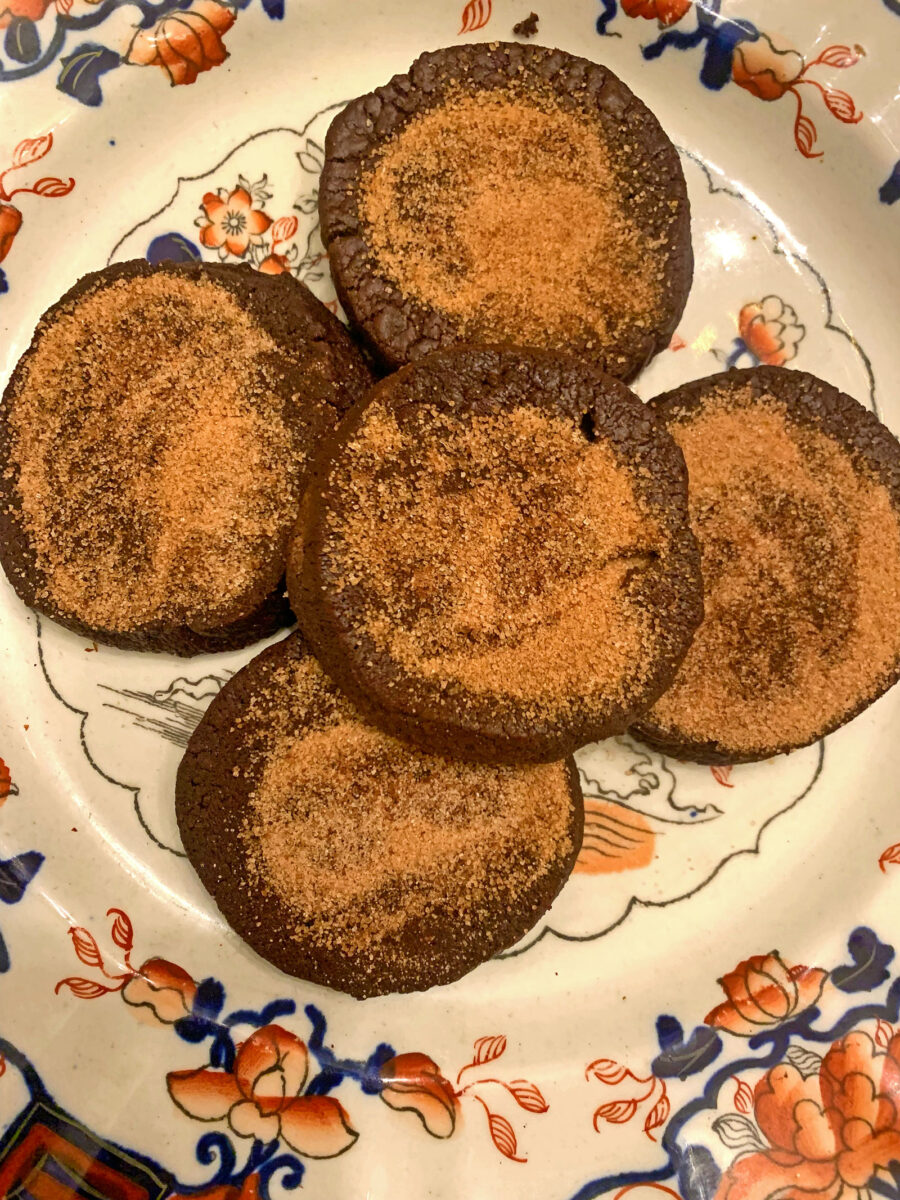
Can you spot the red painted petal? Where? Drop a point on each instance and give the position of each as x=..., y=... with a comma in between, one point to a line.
x=179, y=69
x=758, y=1177
x=185, y=40
x=258, y=222
x=143, y=51
x=809, y=986
x=167, y=1004
x=858, y=1167
x=773, y=965
x=161, y=973
x=212, y=236
x=726, y=1016
x=269, y=1048
x=258, y=1053
x=214, y=51
x=204, y=1095
x=293, y=1058
x=213, y=205
x=247, y=1121
x=239, y=198
x=10, y=224
x=274, y=264
x=237, y=245
x=220, y=16
x=317, y=1127
x=414, y=1083
x=790, y=1112
x=738, y=989
x=854, y=1054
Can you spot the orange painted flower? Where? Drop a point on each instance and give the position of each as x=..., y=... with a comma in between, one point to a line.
x=829, y=1131
x=764, y=69
x=163, y=991
x=283, y=230
x=414, y=1083
x=232, y=222
x=10, y=224
x=184, y=43
x=667, y=12
x=262, y=1096
x=770, y=330
x=764, y=991
x=31, y=10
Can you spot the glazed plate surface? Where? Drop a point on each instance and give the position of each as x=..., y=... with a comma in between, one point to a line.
x=709, y=1008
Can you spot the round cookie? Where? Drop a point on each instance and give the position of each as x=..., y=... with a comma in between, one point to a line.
x=348, y=858
x=156, y=438
x=507, y=193
x=496, y=560
x=795, y=500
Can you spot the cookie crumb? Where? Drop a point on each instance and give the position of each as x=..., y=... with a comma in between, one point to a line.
x=527, y=28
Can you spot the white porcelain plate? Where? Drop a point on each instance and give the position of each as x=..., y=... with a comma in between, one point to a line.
x=146, y=1052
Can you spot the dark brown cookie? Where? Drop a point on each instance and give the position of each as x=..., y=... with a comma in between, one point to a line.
x=155, y=440
x=496, y=560
x=346, y=857
x=507, y=193
x=795, y=500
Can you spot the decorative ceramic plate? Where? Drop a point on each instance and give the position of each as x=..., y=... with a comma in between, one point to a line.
x=710, y=1007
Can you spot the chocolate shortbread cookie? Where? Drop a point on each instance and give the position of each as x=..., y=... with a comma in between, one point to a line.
x=348, y=858
x=155, y=440
x=507, y=193
x=496, y=560
x=795, y=500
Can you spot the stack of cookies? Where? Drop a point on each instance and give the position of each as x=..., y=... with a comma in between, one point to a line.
x=495, y=552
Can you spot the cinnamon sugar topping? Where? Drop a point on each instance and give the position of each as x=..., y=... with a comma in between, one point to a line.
x=497, y=553
x=156, y=474
x=507, y=212
x=801, y=565
x=361, y=837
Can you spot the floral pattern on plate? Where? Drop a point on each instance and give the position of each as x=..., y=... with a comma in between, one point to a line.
x=735, y=49
x=273, y=1087
x=24, y=156
x=182, y=39
x=795, y=1118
